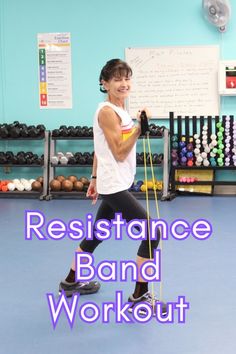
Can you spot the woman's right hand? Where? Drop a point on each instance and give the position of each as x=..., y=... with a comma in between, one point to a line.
x=92, y=191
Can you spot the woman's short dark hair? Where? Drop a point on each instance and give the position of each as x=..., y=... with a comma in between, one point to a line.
x=114, y=68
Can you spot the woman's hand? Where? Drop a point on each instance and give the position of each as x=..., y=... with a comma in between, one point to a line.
x=92, y=191
x=142, y=118
x=148, y=113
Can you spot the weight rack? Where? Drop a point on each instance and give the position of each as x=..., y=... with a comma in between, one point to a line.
x=188, y=126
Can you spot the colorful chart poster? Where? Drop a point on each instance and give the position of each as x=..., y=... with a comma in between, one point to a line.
x=55, y=87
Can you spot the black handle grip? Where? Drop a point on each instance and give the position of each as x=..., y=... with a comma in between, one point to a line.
x=144, y=123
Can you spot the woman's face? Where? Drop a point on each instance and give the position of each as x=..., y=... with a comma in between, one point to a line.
x=118, y=87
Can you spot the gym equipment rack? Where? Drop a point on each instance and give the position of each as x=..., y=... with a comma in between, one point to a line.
x=164, y=195
x=40, y=194
x=187, y=127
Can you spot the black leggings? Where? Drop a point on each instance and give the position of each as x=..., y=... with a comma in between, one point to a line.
x=122, y=202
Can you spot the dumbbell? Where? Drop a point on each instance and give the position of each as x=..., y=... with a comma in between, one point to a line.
x=3, y=159
x=159, y=131
x=85, y=131
x=63, y=160
x=14, y=131
x=64, y=131
x=24, y=132
x=21, y=158
x=137, y=186
x=90, y=159
x=56, y=133
x=81, y=159
x=90, y=132
x=11, y=158
x=73, y=131
x=41, y=129
x=72, y=160
x=54, y=160
x=4, y=131
x=33, y=132
x=78, y=131
x=153, y=129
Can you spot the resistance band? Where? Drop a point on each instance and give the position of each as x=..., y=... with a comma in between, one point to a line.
x=145, y=133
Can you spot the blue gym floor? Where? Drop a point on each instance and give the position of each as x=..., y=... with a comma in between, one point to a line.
x=203, y=271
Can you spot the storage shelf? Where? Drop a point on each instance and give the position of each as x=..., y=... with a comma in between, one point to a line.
x=70, y=165
x=72, y=138
x=23, y=194
x=91, y=138
x=23, y=138
x=17, y=165
x=200, y=168
x=82, y=195
x=80, y=165
x=206, y=183
x=44, y=165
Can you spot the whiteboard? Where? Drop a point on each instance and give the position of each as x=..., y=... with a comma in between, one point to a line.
x=182, y=80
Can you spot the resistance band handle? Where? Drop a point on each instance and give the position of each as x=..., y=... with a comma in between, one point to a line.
x=144, y=123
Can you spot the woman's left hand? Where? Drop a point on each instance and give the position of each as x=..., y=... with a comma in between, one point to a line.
x=146, y=110
x=92, y=191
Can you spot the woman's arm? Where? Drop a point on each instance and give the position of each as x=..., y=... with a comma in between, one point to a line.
x=110, y=124
x=92, y=189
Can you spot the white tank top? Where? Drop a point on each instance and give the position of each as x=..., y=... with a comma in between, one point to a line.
x=113, y=176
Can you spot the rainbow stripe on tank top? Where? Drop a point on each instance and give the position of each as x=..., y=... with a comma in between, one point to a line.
x=127, y=130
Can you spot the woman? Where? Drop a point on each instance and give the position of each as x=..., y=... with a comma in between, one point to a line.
x=114, y=168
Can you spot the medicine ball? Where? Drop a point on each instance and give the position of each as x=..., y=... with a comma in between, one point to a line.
x=40, y=179
x=55, y=185
x=60, y=178
x=78, y=186
x=73, y=179
x=36, y=186
x=67, y=185
x=84, y=180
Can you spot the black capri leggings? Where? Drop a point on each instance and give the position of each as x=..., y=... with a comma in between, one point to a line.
x=122, y=202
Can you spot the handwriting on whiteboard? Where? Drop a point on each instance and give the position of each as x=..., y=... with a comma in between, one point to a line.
x=179, y=79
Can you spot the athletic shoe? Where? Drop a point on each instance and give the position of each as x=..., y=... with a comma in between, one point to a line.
x=147, y=299
x=79, y=287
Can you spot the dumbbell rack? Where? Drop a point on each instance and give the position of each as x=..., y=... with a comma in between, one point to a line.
x=25, y=194
x=188, y=126
x=82, y=195
x=53, y=167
